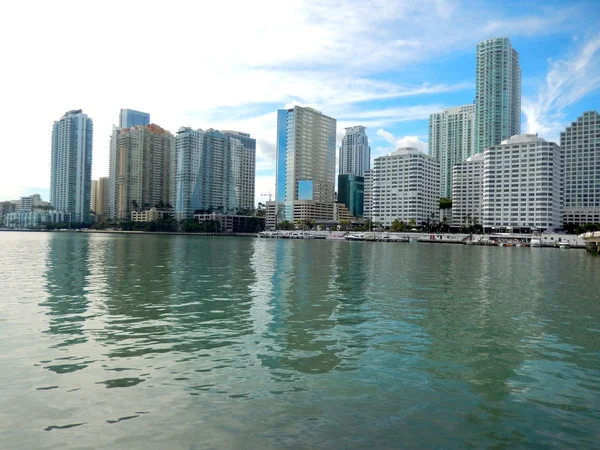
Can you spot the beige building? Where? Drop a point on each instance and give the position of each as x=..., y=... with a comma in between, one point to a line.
x=100, y=198
x=149, y=215
x=143, y=162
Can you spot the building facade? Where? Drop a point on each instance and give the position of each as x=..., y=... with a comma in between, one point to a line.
x=130, y=118
x=404, y=185
x=32, y=219
x=100, y=198
x=71, y=165
x=497, y=93
x=522, y=180
x=143, y=174
x=215, y=171
x=305, y=164
x=355, y=153
x=451, y=140
x=351, y=193
x=467, y=193
x=580, y=144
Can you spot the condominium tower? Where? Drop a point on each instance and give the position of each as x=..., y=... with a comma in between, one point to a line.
x=498, y=93
x=451, y=140
x=215, y=171
x=467, y=192
x=130, y=117
x=100, y=198
x=580, y=144
x=305, y=173
x=143, y=170
x=355, y=153
x=403, y=185
x=522, y=184
x=71, y=165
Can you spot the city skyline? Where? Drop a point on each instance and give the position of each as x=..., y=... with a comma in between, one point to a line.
x=390, y=85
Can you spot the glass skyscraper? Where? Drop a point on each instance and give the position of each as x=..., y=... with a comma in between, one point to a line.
x=130, y=117
x=71, y=165
x=351, y=193
x=305, y=173
x=498, y=93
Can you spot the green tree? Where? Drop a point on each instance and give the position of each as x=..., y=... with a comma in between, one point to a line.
x=412, y=223
x=445, y=203
x=398, y=226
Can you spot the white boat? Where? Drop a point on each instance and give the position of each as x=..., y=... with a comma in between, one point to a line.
x=536, y=242
x=564, y=245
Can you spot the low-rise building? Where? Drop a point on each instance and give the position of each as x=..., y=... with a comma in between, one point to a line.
x=32, y=219
x=234, y=223
x=149, y=215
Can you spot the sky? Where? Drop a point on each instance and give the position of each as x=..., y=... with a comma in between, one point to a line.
x=383, y=64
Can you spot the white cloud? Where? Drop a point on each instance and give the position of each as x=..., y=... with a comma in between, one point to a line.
x=567, y=82
x=398, y=142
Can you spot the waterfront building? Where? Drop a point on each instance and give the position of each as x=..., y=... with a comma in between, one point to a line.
x=100, y=198
x=522, y=185
x=25, y=204
x=367, y=194
x=71, y=165
x=305, y=172
x=467, y=192
x=355, y=153
x=6, y=207
x=142, y=169
x=351, y=193
x=497, y=93
x=580, y=144
x=31, y=219
x=215, y=171
x=234, y=223
x=404, y=185
x=130, y=118
x=451, y=140
x=340, y=213
x=150, y=215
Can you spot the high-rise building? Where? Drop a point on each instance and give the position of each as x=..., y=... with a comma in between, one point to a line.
x=355, y=153
x=580, y=144
x=404, y=185
x=351, y=193
x=144, y=169
x=71, y=165
x=467, y=192
x=244, y=169
x=522, y=184
x=215, y=171
x=451, y=140
x=100, y=198
x=305, y=174
x=130, y=118
x=498, y=93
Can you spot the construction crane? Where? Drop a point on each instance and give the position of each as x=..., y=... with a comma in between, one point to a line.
x=268, y=194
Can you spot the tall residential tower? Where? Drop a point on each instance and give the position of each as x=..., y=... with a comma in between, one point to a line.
x=71, y=165
x=451, y=140
x=498, y=93
x=130, y=117
x=355, y=153
x=305, y=174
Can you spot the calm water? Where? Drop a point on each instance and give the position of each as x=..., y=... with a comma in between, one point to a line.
x=183, y=342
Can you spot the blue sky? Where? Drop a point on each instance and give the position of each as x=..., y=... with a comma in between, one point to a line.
x=384, y=64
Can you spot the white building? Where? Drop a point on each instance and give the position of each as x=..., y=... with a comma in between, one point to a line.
x=30, y=219
x=305, y=163
x=580, y=144
x=367, y=203
x=451, y=140
x=355, y=153
x=522, y=184
x=497, y=93
x=404, y=185
x=71, y=165
x=467, y=193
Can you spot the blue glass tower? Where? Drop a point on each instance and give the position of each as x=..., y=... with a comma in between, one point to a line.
x=130, y=117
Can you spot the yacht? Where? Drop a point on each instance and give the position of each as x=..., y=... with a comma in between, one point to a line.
x=536, y=242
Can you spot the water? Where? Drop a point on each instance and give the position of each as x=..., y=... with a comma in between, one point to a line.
x=184, y=342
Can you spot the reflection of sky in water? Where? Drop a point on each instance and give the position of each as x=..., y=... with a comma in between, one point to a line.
x=229, y=342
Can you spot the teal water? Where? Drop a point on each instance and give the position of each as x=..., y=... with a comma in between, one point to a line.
x=184, y=342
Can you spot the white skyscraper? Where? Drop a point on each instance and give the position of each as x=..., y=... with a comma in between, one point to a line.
x=355, y=153
x=71, y=165
x=522, y=184
x=451, y=140
x=580, y=144
x=305, y=174
x=497, y=93
x=467, y=192
x=403, y=185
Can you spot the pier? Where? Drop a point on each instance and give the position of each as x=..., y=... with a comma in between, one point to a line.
x=592, y=241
